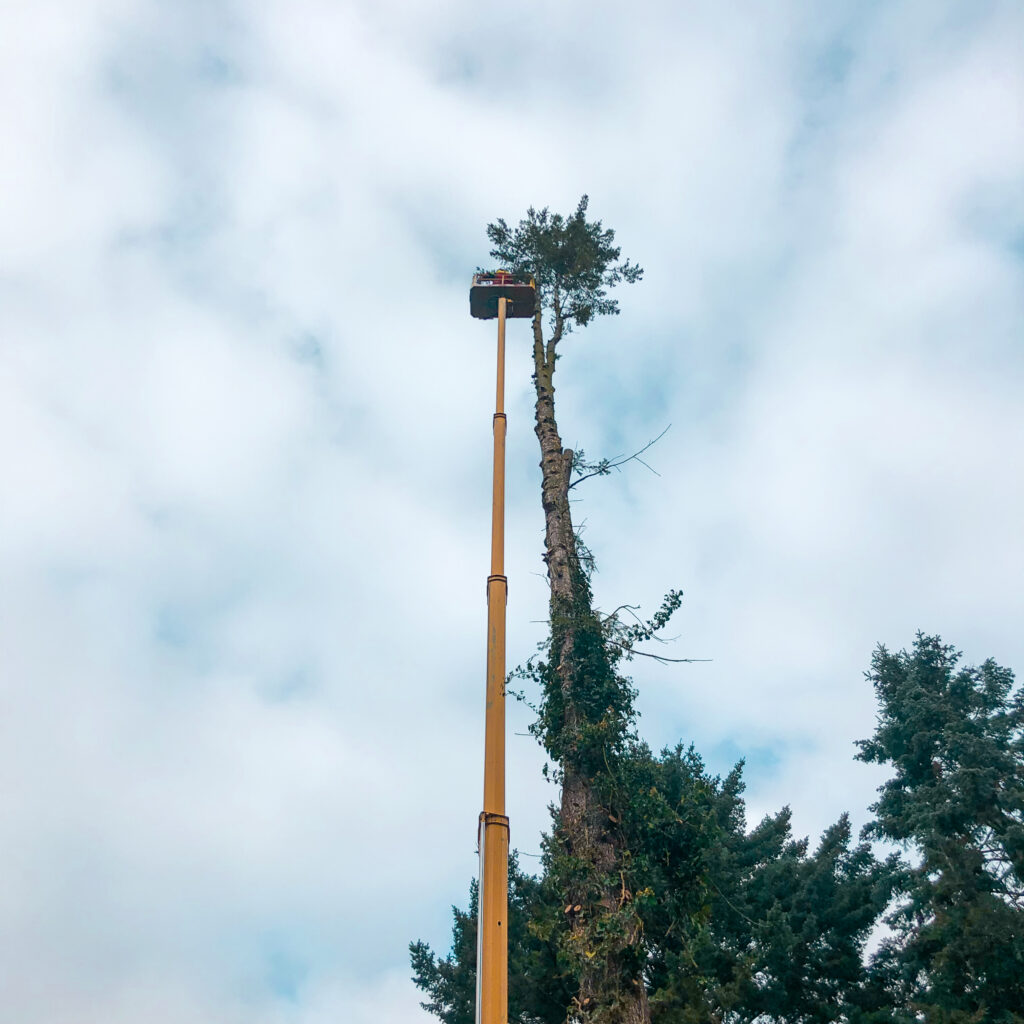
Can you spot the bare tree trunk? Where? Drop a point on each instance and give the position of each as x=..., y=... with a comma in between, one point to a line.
x=586, y=829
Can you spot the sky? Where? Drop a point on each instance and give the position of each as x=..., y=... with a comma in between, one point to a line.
x=245, y=429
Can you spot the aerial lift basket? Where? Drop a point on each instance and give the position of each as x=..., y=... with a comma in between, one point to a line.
x=519, y=289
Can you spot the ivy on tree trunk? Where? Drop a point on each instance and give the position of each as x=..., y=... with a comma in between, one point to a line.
x=587, y=708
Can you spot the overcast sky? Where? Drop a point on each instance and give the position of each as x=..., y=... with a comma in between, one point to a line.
x=245, y=430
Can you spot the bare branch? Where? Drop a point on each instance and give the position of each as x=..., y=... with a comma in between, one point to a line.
x=657, y=657
x=604, y=466
x=631, y=608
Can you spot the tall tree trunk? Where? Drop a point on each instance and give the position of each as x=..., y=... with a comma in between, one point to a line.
x=609, y=992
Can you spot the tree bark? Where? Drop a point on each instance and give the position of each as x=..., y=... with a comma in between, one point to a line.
x=585, y=828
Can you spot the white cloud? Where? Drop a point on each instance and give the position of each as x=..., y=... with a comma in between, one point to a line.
x=245, y=424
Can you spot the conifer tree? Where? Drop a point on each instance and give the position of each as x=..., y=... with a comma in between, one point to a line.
x=739, y=926
x=955, y=738
x=587, y=707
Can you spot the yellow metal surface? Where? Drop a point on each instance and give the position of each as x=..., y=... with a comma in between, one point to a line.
x=494, y=720
x=492, y=944
x=492, y=940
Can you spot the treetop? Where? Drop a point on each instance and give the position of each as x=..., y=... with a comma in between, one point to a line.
x=573, y=260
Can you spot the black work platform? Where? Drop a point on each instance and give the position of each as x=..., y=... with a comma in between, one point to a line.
x=519, y=289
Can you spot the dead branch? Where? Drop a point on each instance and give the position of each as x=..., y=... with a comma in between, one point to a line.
x=604, y=466
x=656, y=657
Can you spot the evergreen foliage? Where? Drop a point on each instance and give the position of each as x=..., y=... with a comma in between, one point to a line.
x=573, y=260
x=739, y=926
x=538, y=991
x=955, y=739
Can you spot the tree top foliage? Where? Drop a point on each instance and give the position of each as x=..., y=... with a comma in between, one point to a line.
x=573, y=260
